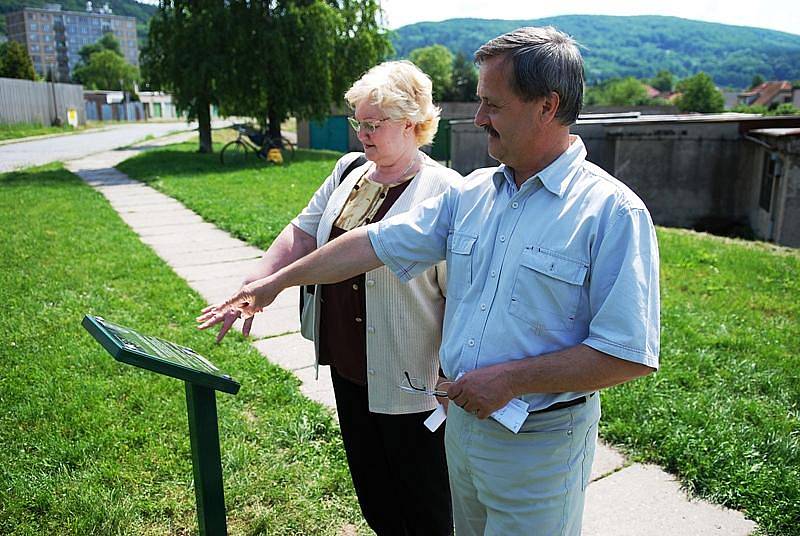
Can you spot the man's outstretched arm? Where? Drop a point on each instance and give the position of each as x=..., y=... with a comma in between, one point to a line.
x=291, y=244
x=345, y=257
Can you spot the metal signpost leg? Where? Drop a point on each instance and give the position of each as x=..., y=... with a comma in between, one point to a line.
x=206, y=463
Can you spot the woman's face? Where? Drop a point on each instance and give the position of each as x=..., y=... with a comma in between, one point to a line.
x=390, y=141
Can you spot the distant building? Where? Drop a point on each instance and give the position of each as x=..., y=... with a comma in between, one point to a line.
x=158, y=105
x=102, y=105
x=768, y=94
x=54, y=37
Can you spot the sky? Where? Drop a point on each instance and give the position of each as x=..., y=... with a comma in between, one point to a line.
x=782, y=15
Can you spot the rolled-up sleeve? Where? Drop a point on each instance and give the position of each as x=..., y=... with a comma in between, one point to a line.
x=624, y=290
x=410, y=243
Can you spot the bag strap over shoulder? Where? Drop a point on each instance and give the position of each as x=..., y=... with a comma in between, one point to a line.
x=358, y=162
x=308, y=290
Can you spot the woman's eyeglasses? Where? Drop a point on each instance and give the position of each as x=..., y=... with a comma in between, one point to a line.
x=411, y=388
x=367, y=126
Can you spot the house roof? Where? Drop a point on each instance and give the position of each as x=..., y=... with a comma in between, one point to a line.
x=767, y=91
x=651, y=91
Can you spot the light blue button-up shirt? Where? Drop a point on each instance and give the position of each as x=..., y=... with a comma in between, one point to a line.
x=569, y=258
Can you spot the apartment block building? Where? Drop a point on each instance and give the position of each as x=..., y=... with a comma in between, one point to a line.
x=54, y=37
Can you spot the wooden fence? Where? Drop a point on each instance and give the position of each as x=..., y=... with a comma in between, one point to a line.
x=23, y=101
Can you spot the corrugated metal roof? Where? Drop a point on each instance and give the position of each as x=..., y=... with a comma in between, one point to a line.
x=635, y=117
x=777, y=132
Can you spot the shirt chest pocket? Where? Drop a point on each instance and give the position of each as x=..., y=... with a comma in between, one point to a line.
x=460, y=250
x=547, y=289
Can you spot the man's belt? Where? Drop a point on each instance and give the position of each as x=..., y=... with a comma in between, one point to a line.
x=565, y=404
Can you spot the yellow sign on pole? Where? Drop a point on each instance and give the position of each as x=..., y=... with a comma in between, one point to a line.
x=72, y=117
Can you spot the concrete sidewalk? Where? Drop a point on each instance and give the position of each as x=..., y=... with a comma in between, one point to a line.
x=623, y=498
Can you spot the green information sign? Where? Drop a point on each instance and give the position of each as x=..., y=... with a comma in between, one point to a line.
x=202, y=379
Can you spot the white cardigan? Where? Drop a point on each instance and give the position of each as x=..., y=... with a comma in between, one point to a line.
x=404, y=320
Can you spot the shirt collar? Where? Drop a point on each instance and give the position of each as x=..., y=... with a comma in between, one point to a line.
x=557, y=176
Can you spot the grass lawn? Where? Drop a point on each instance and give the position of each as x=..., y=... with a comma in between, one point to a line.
x=92, y=446
x=723, y=412
x=24, y=130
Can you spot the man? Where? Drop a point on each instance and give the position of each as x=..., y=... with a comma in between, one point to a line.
x=552, y=292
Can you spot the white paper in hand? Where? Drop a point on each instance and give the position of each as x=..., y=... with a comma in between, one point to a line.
x=512, y=415
x=435, y=419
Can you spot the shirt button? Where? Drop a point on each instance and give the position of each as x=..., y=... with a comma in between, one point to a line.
x=370, y=329
x=371, y=372
x=471, y=342
x=355, y=286
x=502, y=238
x=514, y=204
x=358, y=319
x=483, y=307
x=370, y=282
x=493, y=273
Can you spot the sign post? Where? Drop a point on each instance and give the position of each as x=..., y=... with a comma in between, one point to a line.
x=202, y=379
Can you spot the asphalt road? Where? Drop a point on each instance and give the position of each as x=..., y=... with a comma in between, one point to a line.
x=60, y=148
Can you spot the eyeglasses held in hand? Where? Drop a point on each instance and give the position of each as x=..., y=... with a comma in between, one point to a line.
x=368, y=126
x=411, y=388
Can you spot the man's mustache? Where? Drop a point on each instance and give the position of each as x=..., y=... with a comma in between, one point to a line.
x=490, y=131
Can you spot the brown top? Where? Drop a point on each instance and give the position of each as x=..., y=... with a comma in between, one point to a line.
x=343, y=312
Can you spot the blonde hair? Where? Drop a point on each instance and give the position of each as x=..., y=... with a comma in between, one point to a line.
x=402, y=91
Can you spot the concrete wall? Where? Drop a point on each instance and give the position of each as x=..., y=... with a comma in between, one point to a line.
x=752, y=167
x=458, y=110
x=303, y=134
x=789, y=222
x=687, y=174
x=468, y=147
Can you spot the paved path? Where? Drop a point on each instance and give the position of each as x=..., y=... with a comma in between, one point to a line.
x=38, y=152
x=623, y=499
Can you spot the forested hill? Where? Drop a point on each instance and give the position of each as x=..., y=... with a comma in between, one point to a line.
x=127, y=8
x=635, y=46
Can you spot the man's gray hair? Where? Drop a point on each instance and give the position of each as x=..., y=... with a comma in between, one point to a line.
x=545, y=60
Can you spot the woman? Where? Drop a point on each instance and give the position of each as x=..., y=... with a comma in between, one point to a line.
x=374, y=331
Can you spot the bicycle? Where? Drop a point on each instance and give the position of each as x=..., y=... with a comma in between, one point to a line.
x=249, y=139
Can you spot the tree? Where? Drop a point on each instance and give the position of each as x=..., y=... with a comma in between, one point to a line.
x=785, y=108
x=15, y=62
x=186, y=55
x=699, y=94
x=437, y=62
x=465, y=81
x=663, y=81
x=757, y=81
x=107, y=42
x=618, y=92
x=260, y=58
x=102, y=66
x=106, y=70
x=311, y=52
x=626, y=92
